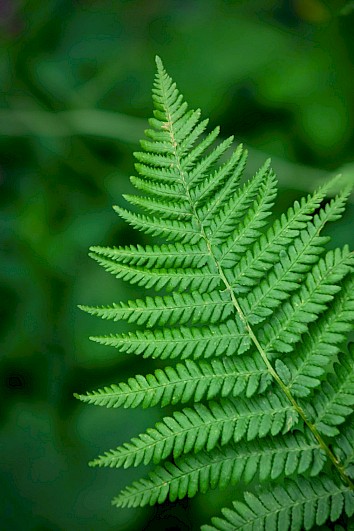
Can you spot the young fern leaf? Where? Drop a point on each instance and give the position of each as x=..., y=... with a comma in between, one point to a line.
x=256, y=318
x=225, y=339
x=185, y=382
x=297, y=505
x=335, y=398
x=267, y=459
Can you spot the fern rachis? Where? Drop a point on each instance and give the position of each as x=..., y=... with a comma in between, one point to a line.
x=257, y=320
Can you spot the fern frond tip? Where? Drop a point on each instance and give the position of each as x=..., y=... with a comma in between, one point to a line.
x=83, y=398
x=158, y=62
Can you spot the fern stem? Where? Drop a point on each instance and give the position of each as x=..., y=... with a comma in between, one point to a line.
x=338, y=466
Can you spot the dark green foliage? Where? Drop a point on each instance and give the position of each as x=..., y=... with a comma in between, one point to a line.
x=263, y=311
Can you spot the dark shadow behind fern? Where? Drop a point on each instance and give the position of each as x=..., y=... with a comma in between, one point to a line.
x=255, y=325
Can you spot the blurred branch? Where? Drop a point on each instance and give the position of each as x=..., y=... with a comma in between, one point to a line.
x=127, y=129
x=347, y=9
x=74, y=122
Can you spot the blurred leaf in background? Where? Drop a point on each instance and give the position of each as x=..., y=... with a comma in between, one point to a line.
x=76, y=81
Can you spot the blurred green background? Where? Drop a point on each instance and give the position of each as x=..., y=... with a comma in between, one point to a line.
x=76, y=81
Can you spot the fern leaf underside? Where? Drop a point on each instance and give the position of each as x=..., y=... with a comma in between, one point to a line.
x=256, y=318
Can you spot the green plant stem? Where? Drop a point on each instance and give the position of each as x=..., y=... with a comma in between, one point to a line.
x=338, y=466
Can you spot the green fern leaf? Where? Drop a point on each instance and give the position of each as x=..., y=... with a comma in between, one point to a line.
x=344, y=447
x=201, y=279
x=256, y=317
x=298, y=505
x=185, y=382
x=317, y=290
x=183, y=308
x=265, y=252
x=267, y=459
x=193, y=429
x=215, y=191
x=225, y=339
x=322, y=343
x=164, y=256
x=335, y=398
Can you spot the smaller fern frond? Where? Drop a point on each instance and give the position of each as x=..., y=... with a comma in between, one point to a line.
x=223, y=183
x=265, y=459
x=166, y=256
x=296, y=505
x=209, y=186
x=160, y=190
x=334, y=400
x=173, y=229
x=178, y=210
x=191, y=380
x=193, y=429
x=197, y=174
x=283, y=279
x=226, y=339
x=153, y=175
x=343, y=446
x=299, y=259
x=194, y=155
x=235, y=207
x=199, y=279
x=292, y=319
x=237, y=237
x=322, y=343
x=265, y=252
x=179, y=307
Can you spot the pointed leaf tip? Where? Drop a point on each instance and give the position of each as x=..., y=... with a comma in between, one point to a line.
x=336, y=184
x=158, y=62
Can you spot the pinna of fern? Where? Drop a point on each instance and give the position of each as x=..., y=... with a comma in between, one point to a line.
x=252, y=317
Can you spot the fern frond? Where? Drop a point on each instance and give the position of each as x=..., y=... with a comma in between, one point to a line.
x=297, y=505
x=335, y=398
x=160, y=190
x=237, y=238
x=215, y=191
x=170, y=229
x=201, y=279
x=322, y=343
x=164, y=209
x=180, y=307
x=286, y=275
x=185, y=382
x=193, y=429
x=258, y=315
x=190, y=474
x=226, y=339
x=292, y=319
x=164, y=256
x=266, y=251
